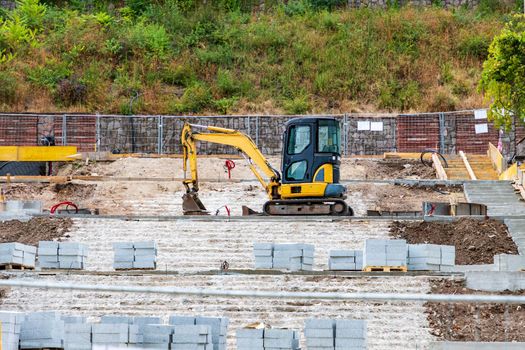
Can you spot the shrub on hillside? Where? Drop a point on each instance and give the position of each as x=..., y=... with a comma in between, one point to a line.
x=70, y=91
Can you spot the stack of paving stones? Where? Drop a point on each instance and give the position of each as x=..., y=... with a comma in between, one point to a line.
x=77, y=333
x=350, y=335
x=345, y=260
x=293, y=257
x=17, y=254
x=320, y=334
x=42, y=330
x=263, y=253
x=156, y=336
x=280, y=339
x=187, y=337
x=118, y=331
x=48, y=255
x=135, y=255
x=250, y=339
x=218, y=329
x=384, y=252
x=430, y=257
x=72, y=255
x=11, y=325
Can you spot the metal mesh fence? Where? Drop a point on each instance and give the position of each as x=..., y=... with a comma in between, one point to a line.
x=449, y=132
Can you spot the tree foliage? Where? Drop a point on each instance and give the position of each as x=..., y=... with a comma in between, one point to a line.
x=503, y=76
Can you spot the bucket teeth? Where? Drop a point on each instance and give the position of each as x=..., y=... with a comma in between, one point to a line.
x=192, y=205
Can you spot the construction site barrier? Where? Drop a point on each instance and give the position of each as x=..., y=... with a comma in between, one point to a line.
x=361, y=134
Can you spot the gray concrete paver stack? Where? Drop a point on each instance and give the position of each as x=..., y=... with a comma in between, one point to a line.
x=11, y=326
x=135, y=255
x=17, y=254
x=288, y=256
x=345, y=260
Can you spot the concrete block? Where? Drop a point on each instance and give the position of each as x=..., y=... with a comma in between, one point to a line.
x=146, y=320
x=145, y=245
x=423, y=267
x=344, y=260
x=145, y=252
x=349, y=324
x=124, y=258
x=47, y=252
x=281, y=343
x=122, y=265
x=48, y=245
x=71, y=265
x=250, y=343
x=250, y=333
x=350, y=343
x=181, y=320
x=263, y=252
x=275, y=333
x=115, y=319
x=508, y=262
x=342, y=253
x=43, y=316
x=342, y=266
x=144, y=265
x=262, y=246
x=328, y=343
x=122, y=245
x=319, y=333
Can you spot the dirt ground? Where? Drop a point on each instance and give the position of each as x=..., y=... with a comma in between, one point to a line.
x=468, y=322
x=36, y=229
x=388, y=197
x=476, y=241
x=214, y=168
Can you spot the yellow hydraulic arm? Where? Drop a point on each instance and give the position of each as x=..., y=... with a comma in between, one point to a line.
x=234, y=138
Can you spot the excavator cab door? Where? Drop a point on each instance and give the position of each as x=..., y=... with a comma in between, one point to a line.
x=311, y=151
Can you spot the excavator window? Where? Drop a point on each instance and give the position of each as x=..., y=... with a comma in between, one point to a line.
x=297, y=171
x=299, y=139
x=328, y=137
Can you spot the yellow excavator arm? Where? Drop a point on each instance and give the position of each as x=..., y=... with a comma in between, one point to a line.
x=256, y=160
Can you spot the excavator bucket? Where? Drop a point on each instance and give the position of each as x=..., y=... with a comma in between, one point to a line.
x=192, y=205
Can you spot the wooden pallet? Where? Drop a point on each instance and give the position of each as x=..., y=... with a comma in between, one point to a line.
x=19, y=267
x=385, y=269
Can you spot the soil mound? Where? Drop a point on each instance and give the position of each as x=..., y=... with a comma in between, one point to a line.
x=476, y=241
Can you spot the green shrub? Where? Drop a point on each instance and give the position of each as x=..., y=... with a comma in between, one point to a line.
x=326, y=4
x=195, y=99
x=49, y=74
x=220, y=55
x=8, y=85
x=227, y=83
x=475, y=46
x=225, y=105
x=31, y=13
x=178, y=74
x=396, y=95
x=149, y=39
x=296, y=7
x=297, y=105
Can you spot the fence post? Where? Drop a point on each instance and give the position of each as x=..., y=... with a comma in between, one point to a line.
x=442, y=132
x=160, y=133
x=257, y=131
x=345, y=135
x=64, y=130
x=97, y=133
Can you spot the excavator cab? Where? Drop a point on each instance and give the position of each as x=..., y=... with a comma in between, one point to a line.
x=311, y=154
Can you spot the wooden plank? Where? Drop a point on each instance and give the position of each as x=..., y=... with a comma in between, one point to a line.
x=440, y=171
x=38, y=153
x=401, y=155
x=498, y=162
x=467, y=165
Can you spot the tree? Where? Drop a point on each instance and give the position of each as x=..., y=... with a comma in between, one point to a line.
x=503, y=77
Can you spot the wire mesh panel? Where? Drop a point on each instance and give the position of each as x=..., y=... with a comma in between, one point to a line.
x=417, y=132
x=371, y=135
x=19, y=130
x=468, y=134
x=81, y=132
x=128, y=134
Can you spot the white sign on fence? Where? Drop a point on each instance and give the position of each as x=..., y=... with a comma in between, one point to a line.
x=376, y=126
x=480, y=114
x=482, y=128
x=363, y=125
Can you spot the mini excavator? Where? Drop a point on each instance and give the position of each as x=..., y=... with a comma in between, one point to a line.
x=309, y=184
